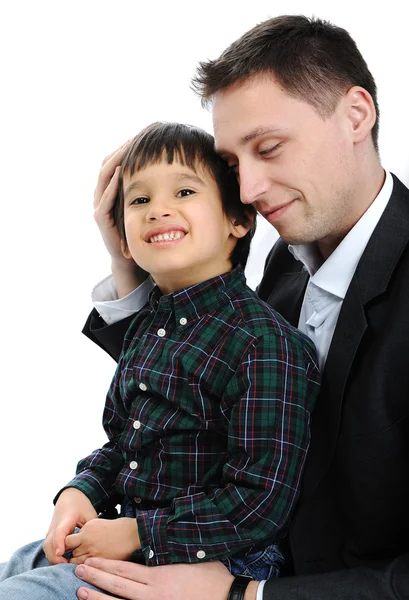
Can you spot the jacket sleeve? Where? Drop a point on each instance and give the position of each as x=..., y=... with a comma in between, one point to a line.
x=108, y=337
x=360, y=583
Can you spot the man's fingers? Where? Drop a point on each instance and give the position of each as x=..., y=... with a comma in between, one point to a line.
x=127, y=570
x=106, y=173
x=121, y=147
x=107, y=200
x=118, y=585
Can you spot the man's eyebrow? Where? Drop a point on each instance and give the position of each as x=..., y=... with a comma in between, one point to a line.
x=258, y=132
x=254, y=134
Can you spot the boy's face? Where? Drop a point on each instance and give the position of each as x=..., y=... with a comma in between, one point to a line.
x=175, y=225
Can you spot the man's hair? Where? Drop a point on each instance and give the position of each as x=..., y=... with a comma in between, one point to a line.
x=190, y=146
x=312, y=59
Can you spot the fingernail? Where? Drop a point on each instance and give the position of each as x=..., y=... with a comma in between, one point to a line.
x=82, y=594
x=57, y=552
x=80, y=571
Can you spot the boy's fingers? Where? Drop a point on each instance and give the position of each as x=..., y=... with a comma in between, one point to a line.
x=73, y=541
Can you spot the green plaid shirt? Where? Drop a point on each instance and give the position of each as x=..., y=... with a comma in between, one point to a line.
x=208, y=421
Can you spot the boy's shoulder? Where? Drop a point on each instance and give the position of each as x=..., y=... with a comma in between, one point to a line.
x=262, y=320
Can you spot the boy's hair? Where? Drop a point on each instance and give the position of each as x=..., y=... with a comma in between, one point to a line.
x=312, y=59
x=190, y=146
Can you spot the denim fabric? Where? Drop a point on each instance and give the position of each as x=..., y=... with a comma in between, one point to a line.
x=29, y=576
x=261, y=565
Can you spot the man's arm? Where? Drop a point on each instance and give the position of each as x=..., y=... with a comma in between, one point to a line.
x=127, y=275
x=213, y=580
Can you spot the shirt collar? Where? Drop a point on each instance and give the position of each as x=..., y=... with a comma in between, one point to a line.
x=199, y=299
x=335, y=274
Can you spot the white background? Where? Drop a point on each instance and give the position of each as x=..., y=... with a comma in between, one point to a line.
x=77, y=79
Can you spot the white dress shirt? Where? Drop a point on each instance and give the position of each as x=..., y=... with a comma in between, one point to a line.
x=329, y=282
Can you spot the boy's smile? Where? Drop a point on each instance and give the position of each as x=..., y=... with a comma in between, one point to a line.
x=175, y=225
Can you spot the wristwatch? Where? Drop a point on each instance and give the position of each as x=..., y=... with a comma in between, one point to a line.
x=238, y=587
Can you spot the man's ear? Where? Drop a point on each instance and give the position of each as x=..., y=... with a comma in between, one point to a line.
x=361, y=113
x=125, y=250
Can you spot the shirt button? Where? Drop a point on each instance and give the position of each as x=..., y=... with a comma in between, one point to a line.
x=161, y=332
x=138, y=500
x=133, y=465
x=201, y=554
x=143, y=387
x=136, y=424
x=183, y=321
x=151, y=554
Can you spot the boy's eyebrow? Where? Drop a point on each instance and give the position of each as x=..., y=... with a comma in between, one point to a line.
x=189, y=177
x=252, y=135
x=132, y=186
x=135, y=185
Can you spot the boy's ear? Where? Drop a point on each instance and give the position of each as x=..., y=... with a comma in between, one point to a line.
x=239, y=230
x=125, y=250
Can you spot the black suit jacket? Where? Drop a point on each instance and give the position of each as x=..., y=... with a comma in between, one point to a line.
x=349, y=537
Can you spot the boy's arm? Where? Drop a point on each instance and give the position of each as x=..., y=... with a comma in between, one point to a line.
x=269, y=399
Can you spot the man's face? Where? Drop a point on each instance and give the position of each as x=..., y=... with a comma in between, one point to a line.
x=297, y=168
x=175, y=225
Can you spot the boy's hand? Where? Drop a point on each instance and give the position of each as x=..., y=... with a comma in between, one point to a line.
x=127, y=274
x=73, y=509
x=106, y=538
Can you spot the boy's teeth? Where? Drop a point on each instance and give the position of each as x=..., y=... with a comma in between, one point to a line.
x=171, y=235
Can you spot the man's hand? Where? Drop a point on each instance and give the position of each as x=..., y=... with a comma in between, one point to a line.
x=127, y=274
x=170, y=582
x=73, y=509
x=116, y=538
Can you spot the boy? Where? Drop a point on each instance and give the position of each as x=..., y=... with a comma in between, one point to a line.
x=208, y=413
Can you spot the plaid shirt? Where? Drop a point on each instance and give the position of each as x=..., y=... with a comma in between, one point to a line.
x=208, y=420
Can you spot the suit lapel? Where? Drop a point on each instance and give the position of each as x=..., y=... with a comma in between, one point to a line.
x=371, y=279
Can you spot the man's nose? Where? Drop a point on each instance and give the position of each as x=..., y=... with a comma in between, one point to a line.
x=253, y=183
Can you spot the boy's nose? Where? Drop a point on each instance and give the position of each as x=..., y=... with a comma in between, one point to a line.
x=158, y=210
x=153, y=216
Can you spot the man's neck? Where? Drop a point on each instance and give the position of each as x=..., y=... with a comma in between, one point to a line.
x=366, y=194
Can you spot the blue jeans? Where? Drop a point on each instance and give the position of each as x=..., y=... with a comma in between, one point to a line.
x=29, y=576
x=264, y=564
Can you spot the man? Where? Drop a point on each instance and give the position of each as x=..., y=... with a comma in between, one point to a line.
x=295, y=115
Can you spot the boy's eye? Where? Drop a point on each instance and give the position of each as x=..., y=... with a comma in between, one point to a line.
x=142, y=200
x=234, y=168
x=184, y=193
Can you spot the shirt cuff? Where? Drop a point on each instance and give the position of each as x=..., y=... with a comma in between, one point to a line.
x=112, y=309
x=260, y=589
x=153, y=536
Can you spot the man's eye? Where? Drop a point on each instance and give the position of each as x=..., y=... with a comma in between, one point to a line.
x=142, y=200
x=184, y=193
x=270, y=150
x=234, y=168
